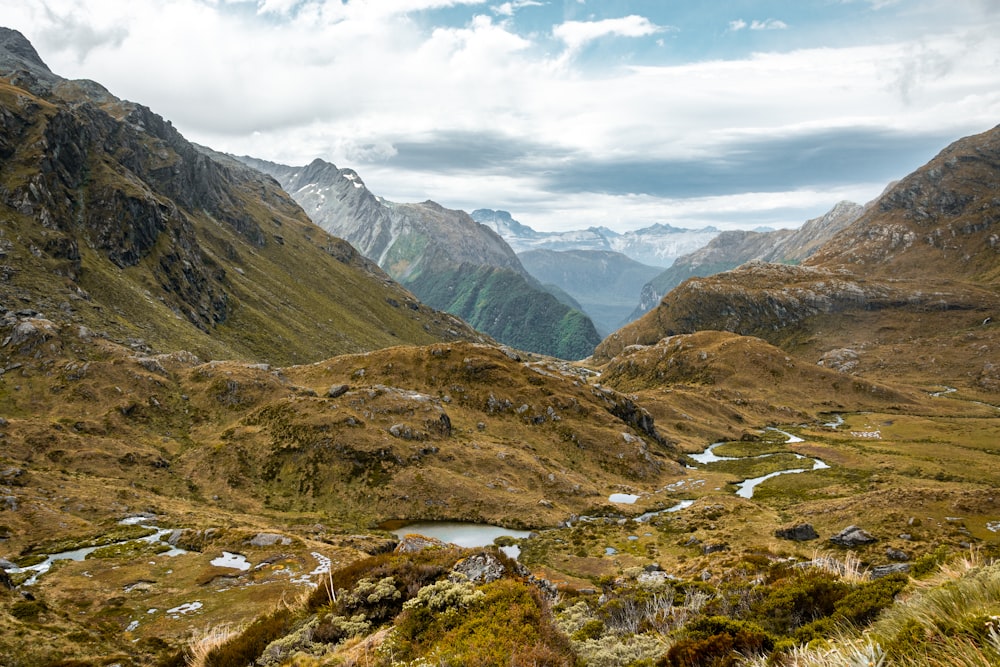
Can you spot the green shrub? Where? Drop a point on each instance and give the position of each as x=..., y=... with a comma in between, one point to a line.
x=505, y=626
x=243, y=649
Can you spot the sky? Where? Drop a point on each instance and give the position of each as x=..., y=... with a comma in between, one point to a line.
x=567, y=113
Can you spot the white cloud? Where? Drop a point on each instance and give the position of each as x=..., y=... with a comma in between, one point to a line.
x=768, y=24
x=353, y=82
x=576, y=34
x=508, y=8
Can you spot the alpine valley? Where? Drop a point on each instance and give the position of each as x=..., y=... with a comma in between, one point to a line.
x=449, y=260
x=218, y=423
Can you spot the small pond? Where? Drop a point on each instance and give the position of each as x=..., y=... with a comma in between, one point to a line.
x=462, y=534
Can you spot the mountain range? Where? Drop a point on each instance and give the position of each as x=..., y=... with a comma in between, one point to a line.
x=218, y=422
x=446, y=258
x=656, y=245
x=604, y=283
x=907, y=290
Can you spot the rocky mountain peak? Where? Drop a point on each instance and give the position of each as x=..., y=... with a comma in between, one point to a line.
x=14, y=45
x=21, y=63
x=940, y=218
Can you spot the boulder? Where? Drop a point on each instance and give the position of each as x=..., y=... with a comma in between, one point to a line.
x=337, y=390
x=800, y=532
x=896, y=554
x=412, y=543
x=269, y=540
x=482, y=568
x=885, y=570
x=852, y=536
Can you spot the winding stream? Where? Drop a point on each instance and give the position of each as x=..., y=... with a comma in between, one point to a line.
x=80, y=554
x=745, y=489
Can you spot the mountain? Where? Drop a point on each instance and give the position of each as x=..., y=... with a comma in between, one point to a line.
x=603, y=282
x=908, y=291
x=116, y=223
x=731, y=248
x=446, y=258
x=656, y=245
x=160, y=509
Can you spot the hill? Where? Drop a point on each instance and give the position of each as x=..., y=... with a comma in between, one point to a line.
x=603, y=282
x=908, y=291
x=732, y=248
x=449, y=261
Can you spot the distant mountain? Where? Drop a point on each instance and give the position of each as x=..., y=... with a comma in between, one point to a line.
x=732, y=248
x=908, y=291
x=116, y=225
x=657, y=245
x=604, y=282
x=445, y=257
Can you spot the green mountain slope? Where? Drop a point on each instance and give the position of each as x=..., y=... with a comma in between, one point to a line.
x=502, y=303
x=605, y=283
x=113, y=220
x=436, y=251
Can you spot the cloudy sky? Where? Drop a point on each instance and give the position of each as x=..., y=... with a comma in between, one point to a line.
x=568, y=113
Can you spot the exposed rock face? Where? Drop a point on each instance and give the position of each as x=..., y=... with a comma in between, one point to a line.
x=852, y=536
x=942, y=217
x=404, y=239
x=802, y=532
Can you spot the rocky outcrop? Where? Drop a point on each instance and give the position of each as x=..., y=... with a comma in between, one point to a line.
x=801, y=532
x=851, y=537
x=942, y=218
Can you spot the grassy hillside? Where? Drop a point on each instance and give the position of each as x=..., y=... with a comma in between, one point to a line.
x=508, y=307
x=115, y=221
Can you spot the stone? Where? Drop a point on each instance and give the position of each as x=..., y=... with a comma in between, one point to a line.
x=412, y=543
x=269, y=540
x=885, y=570
x=653, y=578
x=852, y=536
x=800, y=532
x=337, y=390
x=896, y=554
x=482, y=568
x=714, y=548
